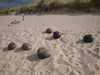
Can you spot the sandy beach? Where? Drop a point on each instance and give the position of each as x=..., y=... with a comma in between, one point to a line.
x=69, y=57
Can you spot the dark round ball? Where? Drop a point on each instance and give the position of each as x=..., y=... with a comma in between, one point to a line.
x=43, y=53
x=48, y=30
x=88, y=38
x=11, y=46
x=56, y=35
x=26, y=46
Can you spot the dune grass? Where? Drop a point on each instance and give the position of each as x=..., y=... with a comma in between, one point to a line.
x=53, y=6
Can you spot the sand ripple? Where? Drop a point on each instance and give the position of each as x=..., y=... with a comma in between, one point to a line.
x=68, y=56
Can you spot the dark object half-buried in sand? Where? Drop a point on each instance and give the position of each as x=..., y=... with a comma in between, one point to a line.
x=56, y=35
x=26, y=46
x=48, y=30
x=43, y=53
x=11, y=46
x=88, y=38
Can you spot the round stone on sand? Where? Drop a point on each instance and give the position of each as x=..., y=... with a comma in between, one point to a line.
x=11, y=46
x=48, y=30
x=26, y=46
x=88, y=38
x=56, y=35
x=43, y=53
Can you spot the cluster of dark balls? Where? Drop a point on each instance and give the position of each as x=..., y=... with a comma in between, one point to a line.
x=88, y=38
x=25, y=46
x=56, y=34
x=42, y=52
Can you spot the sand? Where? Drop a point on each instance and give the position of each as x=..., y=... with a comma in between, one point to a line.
x=69, y=55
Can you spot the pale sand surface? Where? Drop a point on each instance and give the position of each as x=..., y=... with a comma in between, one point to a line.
x=69, y=57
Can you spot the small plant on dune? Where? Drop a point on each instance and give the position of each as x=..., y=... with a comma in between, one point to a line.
x=22, y=10
x=40, y=5
x=54, y=5
x=95, y=3
x=27, y=9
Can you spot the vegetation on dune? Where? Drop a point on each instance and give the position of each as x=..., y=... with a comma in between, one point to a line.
x=7, y=11
x=25, y=10
x=54, y=6
x=95, y=3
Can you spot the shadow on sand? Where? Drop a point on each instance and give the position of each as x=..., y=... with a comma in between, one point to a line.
x=19, y=50
x=6, y=49
x=33, y=57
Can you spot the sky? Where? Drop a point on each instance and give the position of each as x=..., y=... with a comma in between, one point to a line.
x=9, y=3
